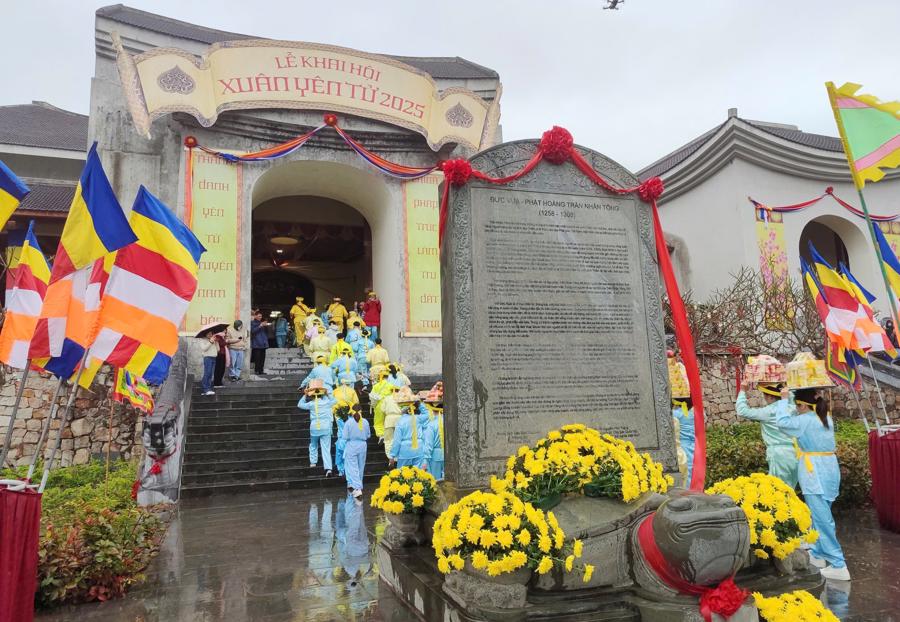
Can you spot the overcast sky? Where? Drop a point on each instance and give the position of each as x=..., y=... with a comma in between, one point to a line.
x=634, y=84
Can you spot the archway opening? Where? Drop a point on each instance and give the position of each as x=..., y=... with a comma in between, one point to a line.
x=828, y=243
x=310, y=246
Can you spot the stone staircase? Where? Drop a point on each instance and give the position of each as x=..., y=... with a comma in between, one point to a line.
x=286, y=362
x=251, y=436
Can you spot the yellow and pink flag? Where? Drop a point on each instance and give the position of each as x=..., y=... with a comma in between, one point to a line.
x=869, y=129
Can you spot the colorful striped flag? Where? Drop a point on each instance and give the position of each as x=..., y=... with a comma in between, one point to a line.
x=96, y=225
x=23, y=301
x=150, y=286
x=132, y=389
x=832, y=330
x=844, y=308
x=95, y=228
x=841, y=366
x=12, y=191
x=890, y=262
x=15, y=239
x=869, y=129
x=878, y=339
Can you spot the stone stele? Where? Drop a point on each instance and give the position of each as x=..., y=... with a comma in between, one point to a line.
x=552, y=313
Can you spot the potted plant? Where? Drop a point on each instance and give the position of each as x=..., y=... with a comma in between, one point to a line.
x=403, y=495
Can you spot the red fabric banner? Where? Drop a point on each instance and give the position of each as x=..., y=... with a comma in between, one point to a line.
x=884, y=460
x=20, y=527
x=557, y=146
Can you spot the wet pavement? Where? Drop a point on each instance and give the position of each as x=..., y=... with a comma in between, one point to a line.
x=302, y=556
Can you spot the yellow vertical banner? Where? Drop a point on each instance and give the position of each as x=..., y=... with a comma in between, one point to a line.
x=773, y=267
x=423, y=261
x=214, y=213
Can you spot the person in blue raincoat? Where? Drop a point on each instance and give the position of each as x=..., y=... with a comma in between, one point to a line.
x=780, y=453
x=320, y=372
x=396, y=376
x=683, y=413
x=805, y=417
x=344, y=366
x=320, y=404
x=433, y=452
x=408, y=442
x=354, y=331
x=356, y=434
x=361, y=348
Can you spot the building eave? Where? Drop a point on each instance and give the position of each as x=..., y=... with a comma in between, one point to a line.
x=737, y=139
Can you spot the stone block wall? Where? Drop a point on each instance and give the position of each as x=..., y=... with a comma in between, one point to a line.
x=719, y=377
x=90, y=428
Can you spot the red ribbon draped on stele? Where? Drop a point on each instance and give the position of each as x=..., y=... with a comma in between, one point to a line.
x=557, y=147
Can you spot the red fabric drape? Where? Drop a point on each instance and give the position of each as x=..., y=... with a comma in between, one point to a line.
x=20, y=525
x=884, y=461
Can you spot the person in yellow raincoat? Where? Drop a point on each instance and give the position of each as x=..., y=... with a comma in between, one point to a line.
x=378, y=359
x=320, y=344
x=379, y=390
x=299, y=313
x=312, y=323
x=340, y=345
x=345, y=394
x=337, y=312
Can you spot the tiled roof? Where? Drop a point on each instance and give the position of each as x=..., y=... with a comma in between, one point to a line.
x=794, y=135
x=452, y=67
x=48, y=197
x=678, y=156
x=41, y=125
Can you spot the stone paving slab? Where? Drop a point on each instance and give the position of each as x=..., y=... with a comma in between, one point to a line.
x=286, y=557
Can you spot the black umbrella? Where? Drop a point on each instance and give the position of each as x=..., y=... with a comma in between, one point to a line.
x=211, y=329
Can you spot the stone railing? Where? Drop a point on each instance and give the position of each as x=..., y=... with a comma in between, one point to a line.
x=164, y=433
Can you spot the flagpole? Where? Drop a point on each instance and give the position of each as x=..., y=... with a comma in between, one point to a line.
x=62, y=424
x=887, y=419
x=46, y=429
x=861, y=413
x=12, y=418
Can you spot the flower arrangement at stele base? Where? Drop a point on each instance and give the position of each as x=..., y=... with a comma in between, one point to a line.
x=799, y=606
x=407, y=490
x=779, y=520
x=578, y=459
x=499, y=533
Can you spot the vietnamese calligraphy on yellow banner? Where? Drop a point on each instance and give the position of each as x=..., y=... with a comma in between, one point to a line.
x=215, y=218
x=283, y=74
x=423, y=261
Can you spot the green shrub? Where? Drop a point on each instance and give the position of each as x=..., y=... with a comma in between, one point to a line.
x=95, y=540
x=736, y=450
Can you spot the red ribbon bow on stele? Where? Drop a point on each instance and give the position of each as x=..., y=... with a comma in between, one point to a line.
x=558, y=147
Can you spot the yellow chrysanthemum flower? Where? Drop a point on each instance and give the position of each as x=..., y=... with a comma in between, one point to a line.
x=588, y=573
x=545, y=565
x=418, y=501
x=479, y=560
x=577, y=548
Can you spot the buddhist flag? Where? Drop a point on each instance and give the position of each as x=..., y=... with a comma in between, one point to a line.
x=150, y=286
x=15, y=239
x=832, y=331
x=841, y=366
x=878, y=340
x=95, y=228
x=869, y=129
x=12, y=191
x=133, y=390
x=23, y=301
x=96, y=225
x=843, y=306
x=890, y=261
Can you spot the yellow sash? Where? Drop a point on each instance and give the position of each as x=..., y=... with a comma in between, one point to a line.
x=316, y=408
x=804, y=455
x=415, y=434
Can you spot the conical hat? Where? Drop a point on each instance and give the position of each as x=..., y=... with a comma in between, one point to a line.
x=678, y=379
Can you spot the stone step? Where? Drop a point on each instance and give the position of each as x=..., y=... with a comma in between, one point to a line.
x=193, y=456
x=209, y=404
x=300, y=460
x=206, y=490
x=285, y=423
